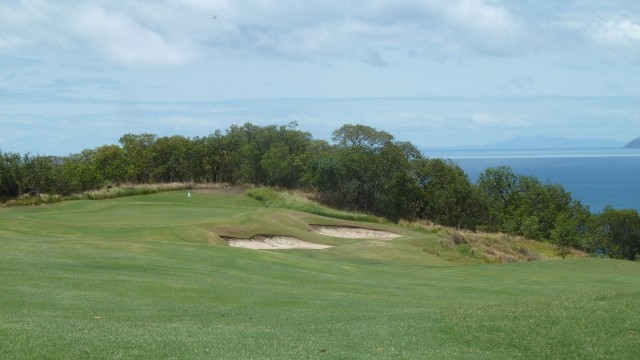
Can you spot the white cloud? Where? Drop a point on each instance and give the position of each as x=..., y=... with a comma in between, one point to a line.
x=483, y=27
x=17, y=25
x=486, y=120
x=207, y=5
x=13, y=121
x=369, y=31
x=182, y=123
x=126, y=42
x=177, y=32
x=617, y=34
x=124, y=34
x=8, y=42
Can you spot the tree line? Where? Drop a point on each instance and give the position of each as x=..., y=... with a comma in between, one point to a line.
x=363, y=169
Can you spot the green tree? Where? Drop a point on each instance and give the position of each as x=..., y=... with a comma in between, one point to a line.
x=197, y=160
x=619, y=233
x=329, y=175
x=366, y=170
x=138, y=150
x=250, y=142
x=447, y=197
x=39, y=172
x=9, y=167
x=566, y=234
x=364, y=154
x=20, y=173
x=15, y=173
x=110, y=162
x=76, y=174
x=172, y=159
x=28, y=172
x=219, y=153
x=539, y=203
x=361, y=136
x=522, y=205
x=285, y=161
x=499, y=187
x=399, y=191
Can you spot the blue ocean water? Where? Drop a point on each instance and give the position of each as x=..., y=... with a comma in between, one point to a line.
x=596, y=177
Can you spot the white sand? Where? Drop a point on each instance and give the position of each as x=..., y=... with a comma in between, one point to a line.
x=268, y=242
x=354, y=232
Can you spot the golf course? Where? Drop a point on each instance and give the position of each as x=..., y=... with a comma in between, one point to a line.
x=156, y=277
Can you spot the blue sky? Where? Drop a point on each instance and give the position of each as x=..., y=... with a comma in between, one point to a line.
x=79, y=74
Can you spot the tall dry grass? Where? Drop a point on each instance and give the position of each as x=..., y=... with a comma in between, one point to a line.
x=111, y=192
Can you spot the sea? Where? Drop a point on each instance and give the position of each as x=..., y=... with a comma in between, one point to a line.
x=596, y=177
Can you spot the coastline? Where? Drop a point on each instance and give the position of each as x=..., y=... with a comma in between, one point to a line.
x=454, y=154
x=595, y=177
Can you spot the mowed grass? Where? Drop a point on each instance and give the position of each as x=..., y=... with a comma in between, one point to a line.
x=149, y=277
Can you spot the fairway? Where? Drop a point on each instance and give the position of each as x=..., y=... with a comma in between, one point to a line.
x=150, y=277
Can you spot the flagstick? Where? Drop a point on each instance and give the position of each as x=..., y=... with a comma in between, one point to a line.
x=189, y=202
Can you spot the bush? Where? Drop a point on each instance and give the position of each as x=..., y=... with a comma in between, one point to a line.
x=458, y=238
x=530, y=255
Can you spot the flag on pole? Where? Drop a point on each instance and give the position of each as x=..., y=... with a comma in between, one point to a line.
x=189, y=193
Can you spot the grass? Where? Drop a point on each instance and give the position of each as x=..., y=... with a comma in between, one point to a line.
x=110, y=192
x=300, y=202
x=149, y=277
x=473, y=246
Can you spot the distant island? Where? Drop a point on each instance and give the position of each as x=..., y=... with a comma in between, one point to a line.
x=545, y=143
x=635, y=144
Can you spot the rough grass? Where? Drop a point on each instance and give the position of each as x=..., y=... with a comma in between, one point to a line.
x=149, y=277
x=110, y=192
x=498, y=247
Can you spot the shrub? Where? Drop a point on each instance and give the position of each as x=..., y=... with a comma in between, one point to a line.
x=466, y=250
x=458, y=238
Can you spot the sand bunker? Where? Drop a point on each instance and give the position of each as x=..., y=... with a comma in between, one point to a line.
x=273, y=242
x=352, y=232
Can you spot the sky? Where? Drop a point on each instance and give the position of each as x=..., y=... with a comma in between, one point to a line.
x=439, y=73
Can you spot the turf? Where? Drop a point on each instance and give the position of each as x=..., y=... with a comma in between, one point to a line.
x=149, y=277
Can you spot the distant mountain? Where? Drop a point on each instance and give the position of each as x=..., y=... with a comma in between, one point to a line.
x=635, y=144
x=547, y=142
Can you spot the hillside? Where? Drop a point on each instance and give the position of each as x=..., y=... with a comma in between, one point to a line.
x=634, y=144
x=153, y=277
x=457, y=246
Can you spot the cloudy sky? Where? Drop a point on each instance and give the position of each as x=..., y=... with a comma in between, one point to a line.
x=439, y=73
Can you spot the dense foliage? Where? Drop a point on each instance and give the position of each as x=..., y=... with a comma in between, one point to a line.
x=364, y=169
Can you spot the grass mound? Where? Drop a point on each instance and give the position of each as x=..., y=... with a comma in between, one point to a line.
x=455, y=246
x=299, y=201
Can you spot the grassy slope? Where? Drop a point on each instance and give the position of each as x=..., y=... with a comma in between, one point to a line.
x=148, y=277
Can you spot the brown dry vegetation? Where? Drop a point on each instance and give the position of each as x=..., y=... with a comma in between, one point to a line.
x=491, y=247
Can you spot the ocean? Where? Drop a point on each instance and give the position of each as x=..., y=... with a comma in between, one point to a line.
x=596, y=177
